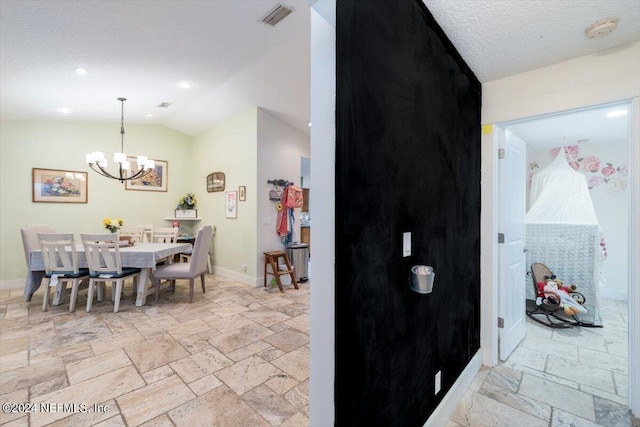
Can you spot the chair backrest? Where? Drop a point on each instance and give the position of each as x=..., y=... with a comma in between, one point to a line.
x=102, y=252
x=198, y=263
x=165, y=235
x=539, y=272
x=30, y=240
x=59, y=252
x=134, y=232
x=148, y=233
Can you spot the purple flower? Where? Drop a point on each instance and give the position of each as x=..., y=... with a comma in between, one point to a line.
x=595, y=180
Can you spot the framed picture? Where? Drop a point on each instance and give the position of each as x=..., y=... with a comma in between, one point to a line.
x=154, y=181
x=215, y=182
x=231, y=204
x=242, y=193
x=59, y=186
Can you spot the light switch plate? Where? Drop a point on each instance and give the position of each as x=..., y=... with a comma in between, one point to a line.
x=438, y=382
x=406, y=244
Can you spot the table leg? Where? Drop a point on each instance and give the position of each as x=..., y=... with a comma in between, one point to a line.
x=60, y=294
x=141, y=298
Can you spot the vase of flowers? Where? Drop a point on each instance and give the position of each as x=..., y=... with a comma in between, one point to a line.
x=112, y=225
x=187, y=206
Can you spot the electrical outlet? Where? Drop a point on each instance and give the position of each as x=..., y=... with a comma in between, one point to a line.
x=406, y=244
x=438, y=381
x=244, y=267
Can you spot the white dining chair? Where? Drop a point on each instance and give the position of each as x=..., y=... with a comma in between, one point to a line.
x=135, y=233
x=165, y=234
x=61, y=265
x=197, y=266
x=148, y=234
x=105, y=266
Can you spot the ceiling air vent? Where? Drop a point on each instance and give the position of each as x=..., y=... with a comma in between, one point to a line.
x=165, y=105
x=277, y=14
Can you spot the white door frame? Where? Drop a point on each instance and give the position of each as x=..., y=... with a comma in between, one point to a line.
x=489, y=250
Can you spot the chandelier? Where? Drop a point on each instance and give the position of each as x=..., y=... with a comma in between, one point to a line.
x=98, y=163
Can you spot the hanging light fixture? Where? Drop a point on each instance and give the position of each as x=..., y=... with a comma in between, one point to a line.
x=98, y=163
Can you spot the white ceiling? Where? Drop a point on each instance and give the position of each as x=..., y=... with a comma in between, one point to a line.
x=142, y=49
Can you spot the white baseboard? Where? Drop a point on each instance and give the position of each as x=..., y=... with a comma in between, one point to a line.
x=243, y=278
x=447, y=407
x=12, y=284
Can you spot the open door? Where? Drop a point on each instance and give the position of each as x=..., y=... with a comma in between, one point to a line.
x=512, y=169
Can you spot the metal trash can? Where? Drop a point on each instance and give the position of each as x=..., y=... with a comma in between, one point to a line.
x=422, y=277
x=298, y=254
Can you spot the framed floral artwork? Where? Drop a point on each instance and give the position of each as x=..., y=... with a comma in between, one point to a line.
x=231, y=204
x=157, y=180
x=59, y=186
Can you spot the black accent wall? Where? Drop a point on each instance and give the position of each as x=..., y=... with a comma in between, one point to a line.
x=407, y=159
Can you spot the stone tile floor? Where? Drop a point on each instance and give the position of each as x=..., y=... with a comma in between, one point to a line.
x=237, y=356
x=556, y=377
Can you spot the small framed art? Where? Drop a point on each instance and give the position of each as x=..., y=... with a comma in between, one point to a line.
x=242, y=193
x=231, y=204
x=59, y=186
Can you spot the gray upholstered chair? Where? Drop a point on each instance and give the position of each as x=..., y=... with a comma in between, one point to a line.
x=197, y=265
x=30, y=243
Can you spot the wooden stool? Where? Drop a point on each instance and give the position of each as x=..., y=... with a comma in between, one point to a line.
x=271, y=258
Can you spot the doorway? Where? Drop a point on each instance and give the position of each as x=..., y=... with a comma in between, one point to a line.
x=598, y=141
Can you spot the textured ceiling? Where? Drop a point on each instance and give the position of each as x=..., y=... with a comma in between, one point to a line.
x=142, y=49
x=499, y=38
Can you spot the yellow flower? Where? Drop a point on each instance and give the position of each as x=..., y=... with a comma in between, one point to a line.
x=112, y=224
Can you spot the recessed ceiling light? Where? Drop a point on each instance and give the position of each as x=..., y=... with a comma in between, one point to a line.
x=185, y=85
x=617, y=113
x=309, y=123
x=149, y=115
x=63, y=110
x=80, y=71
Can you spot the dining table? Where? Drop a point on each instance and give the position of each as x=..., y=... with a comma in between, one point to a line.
x=144, y=256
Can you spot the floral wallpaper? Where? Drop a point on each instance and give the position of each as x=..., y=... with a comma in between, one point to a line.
x=601, y=175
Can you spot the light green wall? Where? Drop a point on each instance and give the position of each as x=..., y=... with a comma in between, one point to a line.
x=230, y=147
x=57, y=145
